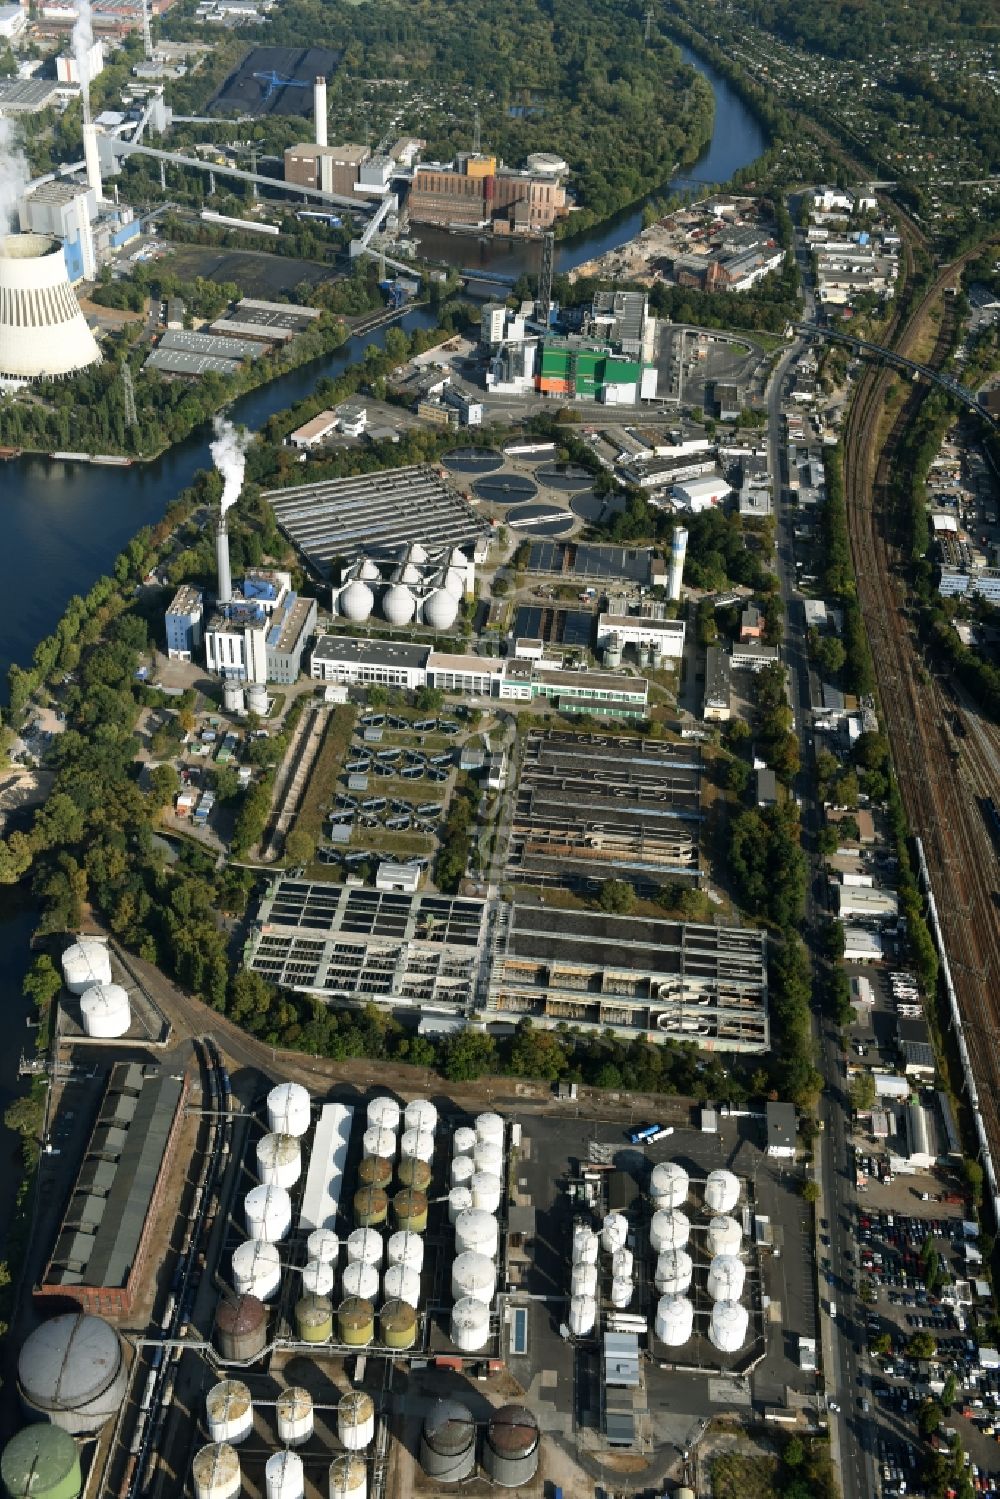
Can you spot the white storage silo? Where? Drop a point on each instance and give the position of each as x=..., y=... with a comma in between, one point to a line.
x=284, y=1477
x=323, y=1244
x=674, y=1320
x=582, y=1316
x=364, y=1245
x=406, y=1248
x=85, y=963
x=726, y=1278
x=356, y=601
x=722, y=1191
x=668, y=1185
x=356, y=1420
x=104, y=1009
x=668, y=1229
x=256, y=1269
x=583, y=1280
x=379, y=1141
x=384, y=1113
x=279, y=1160
x=674, y=1270
x=621, y=1292
x=288, y=1110
x=622, y=1264
x=417, y=1145
x=216, y=1472
x=614, y=1233
x=421, y=1114
x=401, y=1283
x=230, y=1412
x=459, y=1202
x=295, y=1416
x=360, y=1279
x=477, y=1231
x=488, y=1156
x=487, y=1191
x=268, y=1213
x=463, y=1169
x=585, y=1245
x=490, y=1129
x=348, y=1478
x=724, y=1236
x=470, y=1324
x=318, y=1278
x=727, y=1330
x=463, y=1141
x=473, y=1275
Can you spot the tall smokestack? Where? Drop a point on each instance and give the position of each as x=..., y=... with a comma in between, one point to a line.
x=92, y=160
x=675, y=573
x=224, y=590
x=319, y=110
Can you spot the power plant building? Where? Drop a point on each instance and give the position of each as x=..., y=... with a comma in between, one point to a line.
x=329, y=169
x=184, y=623
x=260, y=632
x=478, y=192
x=65, y=210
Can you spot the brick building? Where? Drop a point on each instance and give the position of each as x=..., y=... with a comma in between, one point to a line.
x=476, y=191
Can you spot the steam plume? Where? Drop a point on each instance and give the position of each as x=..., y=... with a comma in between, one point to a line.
x=13, y=174
x=83, y=41
x=229, y=456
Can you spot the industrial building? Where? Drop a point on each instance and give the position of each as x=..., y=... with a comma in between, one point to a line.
x=406, y=583
x=664, y=638
x=588, y=562
x=27, y=96
x=718, y=686
x=43, y=333
x=782, y=1127
x=330, y=169
x=65, y=210
x=259, y=634
x=476, y=191
x=184, y=623
x=266, y=322
x=100, y=1255
x=588, y=372
x=182, y=352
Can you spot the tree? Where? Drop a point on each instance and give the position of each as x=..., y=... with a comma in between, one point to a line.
x=468, y=1055
x=810, y=1191
x=300, y=846
x=949, y=1392
x=164, y=784
x=537, y=1054
x=973, y=1173
x=921, y=1345
x=617, y=897
x=42, y=982
x=882, y=1345
x=862, y=1092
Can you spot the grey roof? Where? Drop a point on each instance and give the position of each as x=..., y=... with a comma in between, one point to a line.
x=177, y=362
x=369, y=652
x=26, y=96
x=187, y=342
x=781, y=1125
x=912, y=1028
x=918, y=1054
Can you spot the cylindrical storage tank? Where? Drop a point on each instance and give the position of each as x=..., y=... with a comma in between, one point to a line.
x=459, y=1202
x=371, y=1207
x=674, y=1320
x=401, y=1283
x=470, y=1324
x=473, y=1275
x=233, y=697
x=582, y=1316
x=448, y=1442
x=356, y=1420
x=406, y=1248
x=240, y=1328
x=257, y=699
x=668, y=1229
x=510, y=1452
x=488, y=1156
x=621, y=1292
x=360, y=1279
x=279, y=1160
x=583, y=1280
x=724, y=1236
x=365, y=1245
x=104, y=1009
x=216, y=1472
x=230, y=1412
x=85, y=963
x=256, y=1269
x=375, y=1171
x=412, y=1172
x=70, y=1371
x=284, y=1477
x=463, y=1141
x=41, y=1462
x=421, y=1114
x=622, y=1264
x=722, y=1191
x=418, y=1144
x=487, y=1191
x=314, y=1318
x=585, y=1243
x=614, y=1233
x=727, y=1330
x=668, y=1185
x=463, y=1169
x=726, y=1278
x=288, y=1110
x=489, y=1129
x=477, y=1231
x=673, y=1272
x=384, y=1113
x=379, y=1141
x=409, y=1208
x=323, y=1244
x=398, y=1322
x=356, y=1322
x=348, y=1478
x=318, y=1278
x=295, y=1416
x=268, y=1213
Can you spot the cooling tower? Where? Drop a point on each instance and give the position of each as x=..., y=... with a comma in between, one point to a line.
x=43, y=333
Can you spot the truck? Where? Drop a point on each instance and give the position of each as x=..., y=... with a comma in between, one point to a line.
x=833, y=1311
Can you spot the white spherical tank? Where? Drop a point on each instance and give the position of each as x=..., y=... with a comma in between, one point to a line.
x=622, y=1264
x=70, y=1371
x=216, y=1472
x=421, y=1114
x=256, y=1269
x=361, y=1280
x=384, y=1113
x=318, y=1278
x=43, y=333
x=85, y=963
x=582, y=1316
x=488, y=1156
x=348, y=1478
x=487, y=1190
x=674, y=1320
x=288, y=1109
x=477, y=1231
x=417, y=1145
x=463, y=1169
x=621, y=1292
x=490, y=1128
x=365, y=1245
x=583, y=1280
x=284, y=1476
x=668, y=1185
x=674, y=1270
x=323, y=1244
x=268, y=1213
x=356, y=1420
x=380, y=1142
x=440, y=609
x=470, y=1324
x=668, y=1229
x=614, y=1233
x=105, y=1011
x=356, y=601
x=230, y=1412
x=454, y=582
x=727, y=1330
x=279, y=1160
x=401, y=1283
x=473, y=1275
x=463, y=1141
x=724, y=1236
x=726, y=1278
x=406, y=1248
x=398, y=604
x=459, y=1202
x=585, y=1245
x=722, y=1191
x=295, y=1416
